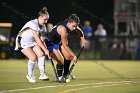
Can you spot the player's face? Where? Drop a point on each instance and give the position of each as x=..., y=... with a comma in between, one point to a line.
x=43, y=19
x=73, y=25
x=49, y=27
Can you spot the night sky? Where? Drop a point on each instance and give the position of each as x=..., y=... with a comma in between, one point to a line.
x=101, y=11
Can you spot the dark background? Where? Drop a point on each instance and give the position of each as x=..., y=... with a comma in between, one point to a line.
x=99, y=11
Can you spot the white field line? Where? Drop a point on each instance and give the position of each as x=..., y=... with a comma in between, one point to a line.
x=93, y=86
x=84, y=84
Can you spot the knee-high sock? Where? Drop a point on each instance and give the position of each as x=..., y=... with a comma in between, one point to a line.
x=66, y=66
x=41, y=64
x=59, y=69
x=31, y=66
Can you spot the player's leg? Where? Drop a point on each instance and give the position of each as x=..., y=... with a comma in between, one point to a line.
x=66, y=62
x=60, y=62
x=54, y=49
x=41, y=62
x=29, y=53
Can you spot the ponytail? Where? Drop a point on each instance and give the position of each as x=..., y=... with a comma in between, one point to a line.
x=72, y=17
x=43, y=12
x=75, y=18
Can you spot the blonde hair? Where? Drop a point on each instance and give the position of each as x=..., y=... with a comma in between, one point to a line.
x=43, y=12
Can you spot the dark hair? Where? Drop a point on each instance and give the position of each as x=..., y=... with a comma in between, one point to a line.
x=43, y=12
x=74, y=17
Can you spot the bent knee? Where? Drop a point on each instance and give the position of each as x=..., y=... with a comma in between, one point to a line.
x=60, y=61
x=33, y=58
x=40, y=53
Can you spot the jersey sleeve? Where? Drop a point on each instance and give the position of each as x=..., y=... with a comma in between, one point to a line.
x=33, y=26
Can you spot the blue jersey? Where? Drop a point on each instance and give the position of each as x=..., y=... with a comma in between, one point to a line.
x=87, y=30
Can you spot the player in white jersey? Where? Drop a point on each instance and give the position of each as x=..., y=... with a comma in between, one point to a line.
x=30, y=41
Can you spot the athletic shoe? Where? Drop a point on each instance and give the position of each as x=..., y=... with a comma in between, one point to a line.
x=44, y=77
x=31, y=78
x=72, y=77
x=61, y=79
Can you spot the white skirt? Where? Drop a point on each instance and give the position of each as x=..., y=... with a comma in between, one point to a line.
x=21, y=43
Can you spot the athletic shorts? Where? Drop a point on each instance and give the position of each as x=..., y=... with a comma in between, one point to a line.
x=51, y=45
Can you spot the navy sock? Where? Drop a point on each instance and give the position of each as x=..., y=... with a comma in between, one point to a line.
x=66, y=66
x=59, y=69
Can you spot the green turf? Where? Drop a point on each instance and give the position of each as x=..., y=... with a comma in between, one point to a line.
x=92, y=77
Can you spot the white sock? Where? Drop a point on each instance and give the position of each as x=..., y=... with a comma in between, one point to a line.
x=31, y=66
x=41, y=65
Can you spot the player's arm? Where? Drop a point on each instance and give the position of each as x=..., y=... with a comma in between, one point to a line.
x=43, y=37
x=39, y=42
x=64, y=40
x=81, y=35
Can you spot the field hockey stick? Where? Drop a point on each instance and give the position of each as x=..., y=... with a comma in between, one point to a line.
x=73, y=65
x=54, y=69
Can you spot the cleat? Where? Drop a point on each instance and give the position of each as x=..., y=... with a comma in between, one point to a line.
x=71, y=77
x=44, y=77
x=61, y=79
x=31, y=78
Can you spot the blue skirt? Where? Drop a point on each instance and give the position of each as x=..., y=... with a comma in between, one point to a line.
x=51, y=45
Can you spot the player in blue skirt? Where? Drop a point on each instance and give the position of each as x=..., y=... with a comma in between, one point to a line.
x=57, y=44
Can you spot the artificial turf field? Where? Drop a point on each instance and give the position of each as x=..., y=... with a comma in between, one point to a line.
x=94, y=76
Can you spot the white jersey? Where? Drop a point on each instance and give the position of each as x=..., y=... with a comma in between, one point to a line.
x=101, y=32
x=27, y=39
